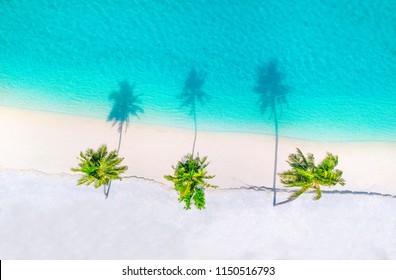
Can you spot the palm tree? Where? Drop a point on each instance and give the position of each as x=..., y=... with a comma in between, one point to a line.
x=272, y=95
x=192, y=93
x=190, y=175
x=126, y=103
x=190, y=181
x=307, y=175
x=99, y=168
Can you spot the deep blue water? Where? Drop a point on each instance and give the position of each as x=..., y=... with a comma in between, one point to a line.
x=327, y=68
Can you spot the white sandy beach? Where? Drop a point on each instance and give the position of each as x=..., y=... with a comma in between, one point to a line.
x=44, y=215
x=48, y=217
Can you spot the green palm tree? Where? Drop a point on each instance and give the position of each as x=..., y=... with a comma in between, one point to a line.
x=306, y=175
x=99, y=167
x=190, y=181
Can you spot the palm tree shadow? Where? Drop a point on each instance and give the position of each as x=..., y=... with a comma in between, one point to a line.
x=192, y=94
x=125, y=104
x=272, y=96
x=270, y=88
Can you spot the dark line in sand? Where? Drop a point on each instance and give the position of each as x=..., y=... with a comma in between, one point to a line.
x=244, y=187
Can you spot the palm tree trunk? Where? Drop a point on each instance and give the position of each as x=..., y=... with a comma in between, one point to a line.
x=276, y=156
x=195, y=130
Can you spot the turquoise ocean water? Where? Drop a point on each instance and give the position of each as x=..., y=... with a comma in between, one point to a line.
x=334, y=62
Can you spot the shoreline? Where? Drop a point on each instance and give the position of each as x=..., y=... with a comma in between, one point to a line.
x=50, y=142
x=203, y=130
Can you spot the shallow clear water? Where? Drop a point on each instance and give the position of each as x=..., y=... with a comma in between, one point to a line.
x=333, y=61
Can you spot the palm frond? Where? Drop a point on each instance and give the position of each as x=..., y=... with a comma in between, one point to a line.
x=190, y=179
x=99, y=167
x=306, y=175
x=318, y=193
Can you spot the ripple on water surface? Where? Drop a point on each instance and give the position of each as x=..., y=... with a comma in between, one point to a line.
x=332, y=64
